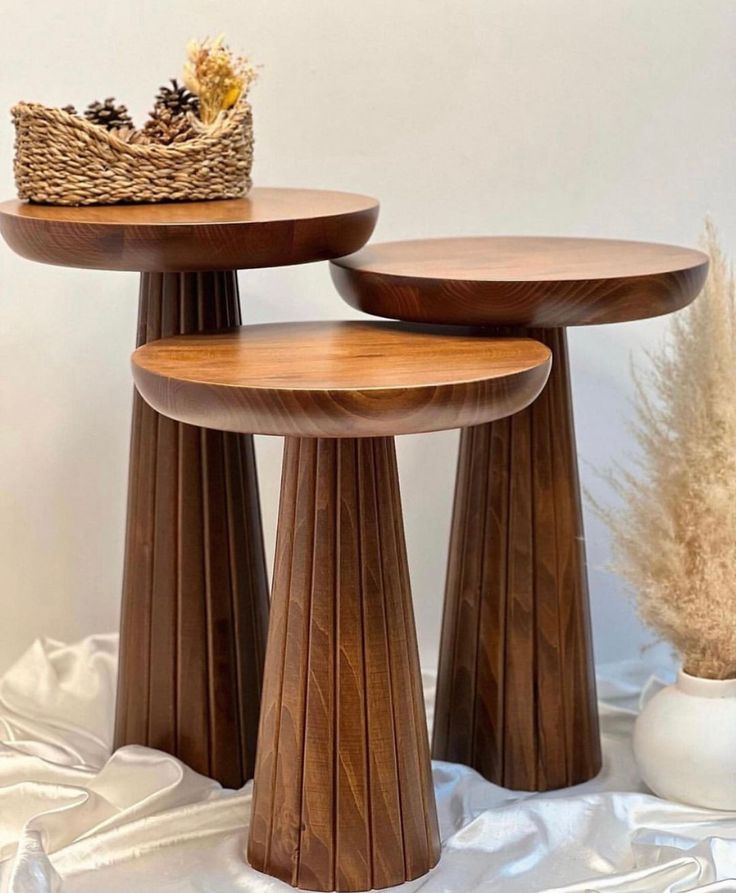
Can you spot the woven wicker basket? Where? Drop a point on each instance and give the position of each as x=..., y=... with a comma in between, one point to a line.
x=62, y=159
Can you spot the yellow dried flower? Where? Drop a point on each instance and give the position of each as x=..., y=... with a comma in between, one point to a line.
x=216, y=76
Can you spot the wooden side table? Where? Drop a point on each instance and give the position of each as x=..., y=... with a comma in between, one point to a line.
x=195, y=592
x=516, y=688
x=343, y=795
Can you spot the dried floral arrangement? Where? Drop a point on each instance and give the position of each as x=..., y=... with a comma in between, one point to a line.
x=195, y=144
x=674, y=534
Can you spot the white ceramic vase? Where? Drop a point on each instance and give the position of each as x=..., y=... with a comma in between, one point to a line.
x=685, y=742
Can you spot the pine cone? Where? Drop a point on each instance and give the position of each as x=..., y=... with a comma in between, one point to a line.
x=165, y=128
x=177, y=99
x=130, y=135
x=69, y=109
x=108, y=115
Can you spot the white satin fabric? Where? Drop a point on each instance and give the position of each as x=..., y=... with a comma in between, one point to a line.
x=75, y=820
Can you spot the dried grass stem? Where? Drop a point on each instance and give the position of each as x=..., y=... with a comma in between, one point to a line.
x=674, y=533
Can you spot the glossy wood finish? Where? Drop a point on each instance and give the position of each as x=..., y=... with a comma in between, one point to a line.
x=516, y=695
x=195, y=601
x=343, y=793
x=516, y=689
x=518, y=280
x=340, y=379
x=195, y=593
x=268, y=228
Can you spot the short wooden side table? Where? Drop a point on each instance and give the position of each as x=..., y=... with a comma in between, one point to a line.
x=516, y=693
x=343, y=796
x=195, y=593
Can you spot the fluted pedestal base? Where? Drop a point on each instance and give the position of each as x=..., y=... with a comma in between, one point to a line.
x=516, y=695
x=195, y=592
x=343, y=794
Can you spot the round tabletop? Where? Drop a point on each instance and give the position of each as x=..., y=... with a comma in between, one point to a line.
x=520, y=280
x=340, y=379
x=267, y=228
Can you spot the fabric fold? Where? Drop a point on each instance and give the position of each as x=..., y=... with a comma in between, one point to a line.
x=76, y=819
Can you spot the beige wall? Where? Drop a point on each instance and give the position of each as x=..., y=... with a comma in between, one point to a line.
x=595, y=117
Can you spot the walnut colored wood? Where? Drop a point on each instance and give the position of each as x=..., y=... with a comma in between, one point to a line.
x=518, y=280
x=343, y=796
x=195, y=593
x=268, y=228
x=516, y=693
x=195, y=598
x=516, y=689
x=340, y=379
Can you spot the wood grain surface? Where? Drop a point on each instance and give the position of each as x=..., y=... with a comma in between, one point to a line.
x=195, y=592
x=340, y=379
x=343, y=796
x=268, y=228
x=516, y=695
x=520, y=280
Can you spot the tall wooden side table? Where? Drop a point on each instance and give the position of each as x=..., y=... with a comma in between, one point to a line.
x=343, y=796
x=195, y=593
x=516, y=693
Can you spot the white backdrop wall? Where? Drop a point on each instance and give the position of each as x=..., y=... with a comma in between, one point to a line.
x=588, y=117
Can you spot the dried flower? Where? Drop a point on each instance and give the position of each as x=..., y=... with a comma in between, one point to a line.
x=674, y=535
x=217, y=77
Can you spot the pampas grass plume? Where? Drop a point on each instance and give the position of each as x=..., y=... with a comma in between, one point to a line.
x=674, y=532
